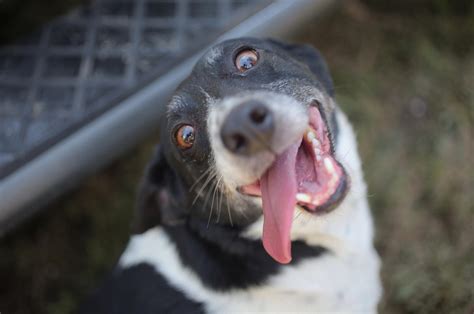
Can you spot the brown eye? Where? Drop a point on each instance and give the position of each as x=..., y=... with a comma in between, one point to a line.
x=246, y=59
x=185, y=136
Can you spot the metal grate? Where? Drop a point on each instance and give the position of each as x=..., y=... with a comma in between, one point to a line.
x=79, y=66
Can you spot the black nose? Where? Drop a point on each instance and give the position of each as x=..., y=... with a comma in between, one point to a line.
x=248, y=128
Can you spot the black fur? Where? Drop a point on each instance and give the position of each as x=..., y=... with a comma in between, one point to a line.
x=312, y=58
x=139, y=290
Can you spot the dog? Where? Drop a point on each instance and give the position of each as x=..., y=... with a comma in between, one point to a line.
x=254, y=200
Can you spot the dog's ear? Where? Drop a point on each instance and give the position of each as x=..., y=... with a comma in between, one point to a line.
x=310, y=56
x=159, y=195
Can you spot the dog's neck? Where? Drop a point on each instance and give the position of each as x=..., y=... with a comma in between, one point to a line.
x=210, y=250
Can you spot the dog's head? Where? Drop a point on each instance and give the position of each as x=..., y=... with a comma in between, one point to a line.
x=252, y=130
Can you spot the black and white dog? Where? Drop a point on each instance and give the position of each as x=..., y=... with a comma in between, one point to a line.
x=255, y=200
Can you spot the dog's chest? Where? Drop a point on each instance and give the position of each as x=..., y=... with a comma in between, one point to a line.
x=324, y=284
x=284, y=294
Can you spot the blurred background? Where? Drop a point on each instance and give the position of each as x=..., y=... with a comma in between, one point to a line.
x=404, y=74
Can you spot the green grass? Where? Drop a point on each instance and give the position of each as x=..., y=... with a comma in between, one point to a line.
x=406, y=80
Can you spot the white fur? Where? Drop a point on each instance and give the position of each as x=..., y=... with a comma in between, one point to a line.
x=345, y=281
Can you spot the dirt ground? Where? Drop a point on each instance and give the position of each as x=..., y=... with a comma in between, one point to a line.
x=405, y=76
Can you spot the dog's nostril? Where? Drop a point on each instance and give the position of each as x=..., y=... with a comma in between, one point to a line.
x=237, y=142
x=258, y=114
x=248, y=128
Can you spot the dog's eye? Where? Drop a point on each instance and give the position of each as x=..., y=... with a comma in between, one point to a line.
x=246, y=59
x=185, y=136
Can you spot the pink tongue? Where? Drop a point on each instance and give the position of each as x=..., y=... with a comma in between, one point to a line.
x=279, y=189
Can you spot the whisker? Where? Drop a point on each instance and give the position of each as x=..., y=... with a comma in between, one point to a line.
x=210, y=176
x=208, y=180
x=344, y=156
x=208, y=196
x=228, y=211
x=206, y=172
x=220, y=192
x=217, y=187
x=242, y=212
x=297, y=215
x=205, y=205
x=230, y=215
x=213, y=197
x=358, y=191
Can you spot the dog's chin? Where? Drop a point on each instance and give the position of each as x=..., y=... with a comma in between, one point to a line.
x=321, y=180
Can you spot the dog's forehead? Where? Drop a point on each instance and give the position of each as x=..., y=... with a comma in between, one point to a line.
x=215, y=77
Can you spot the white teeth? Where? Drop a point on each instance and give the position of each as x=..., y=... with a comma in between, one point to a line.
x=328, y=164
x=302, y=197
x=316, y=143
x=310, y=135
x=317, y=147
x=317, y=153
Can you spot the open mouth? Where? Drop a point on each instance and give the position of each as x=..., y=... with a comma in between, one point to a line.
x=307, y=175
